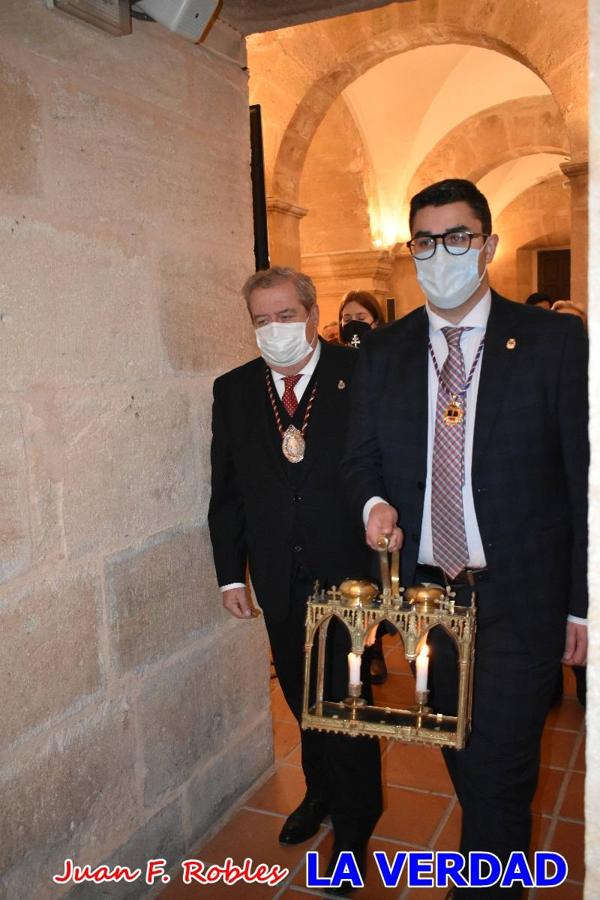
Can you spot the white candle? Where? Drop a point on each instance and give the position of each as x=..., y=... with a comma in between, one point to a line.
x=354, y=667
x=422, y=668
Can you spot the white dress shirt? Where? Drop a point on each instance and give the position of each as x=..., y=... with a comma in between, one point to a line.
x=305, y=375
x=278, y=380
x=476, y=320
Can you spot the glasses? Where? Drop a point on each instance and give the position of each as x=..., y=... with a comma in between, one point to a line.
x=455, y=243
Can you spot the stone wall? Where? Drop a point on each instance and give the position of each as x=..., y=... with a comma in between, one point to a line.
x=538, y=219
x=334, y=187
x=128, y=724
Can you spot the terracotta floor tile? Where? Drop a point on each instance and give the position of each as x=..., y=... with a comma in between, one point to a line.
x=395, y=658
x=248, y=834
x=281, y=793
x=579, y=763
x=540, y=826
x=569, y=714
x=567, y=891
x=572, y=806
x=286, y=736
x=410, y=816
x=557, y=747
x=413, y=816
x=409, y=765
x=297, y=893
x=279, y=708
x=569, y=683
x=426, y=894
x=294, y=757
x=549, y=784
x=569, y=840
x=374, y=888
x=449, y=837
x=398, y=691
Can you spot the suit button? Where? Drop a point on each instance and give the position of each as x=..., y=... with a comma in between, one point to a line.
x=420, y=486
x=298, y=548
x=415, y=537
x=297, y=498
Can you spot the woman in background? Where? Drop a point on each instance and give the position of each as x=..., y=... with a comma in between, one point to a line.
x=359, y=313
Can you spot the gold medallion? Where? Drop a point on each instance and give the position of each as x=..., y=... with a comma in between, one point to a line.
x=454, y=413
x=293, y=445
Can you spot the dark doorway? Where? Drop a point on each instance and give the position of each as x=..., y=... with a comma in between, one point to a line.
x=554, y=273
x=259, y=199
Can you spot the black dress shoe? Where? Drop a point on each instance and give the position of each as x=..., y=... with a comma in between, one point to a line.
x=304, y=822
x=360, y=855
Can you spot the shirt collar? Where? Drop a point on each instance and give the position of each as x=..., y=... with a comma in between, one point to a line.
x=308, y=369
x=475, y=318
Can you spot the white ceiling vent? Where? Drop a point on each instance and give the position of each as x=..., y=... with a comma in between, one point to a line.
x=189, y=18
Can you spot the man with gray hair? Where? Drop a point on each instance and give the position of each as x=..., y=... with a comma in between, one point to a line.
x=277, y=506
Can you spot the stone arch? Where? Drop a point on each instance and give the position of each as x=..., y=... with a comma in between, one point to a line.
x=539, y=218
x=333, y=186
x=497, y=135
x=557, y=55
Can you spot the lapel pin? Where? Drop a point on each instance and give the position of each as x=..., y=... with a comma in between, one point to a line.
x=511, y=344
x=341, y=385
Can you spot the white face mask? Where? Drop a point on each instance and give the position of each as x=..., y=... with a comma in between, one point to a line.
x=448, y=280
x=283, y=344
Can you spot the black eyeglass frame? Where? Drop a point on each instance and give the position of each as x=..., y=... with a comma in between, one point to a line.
x=442, y=237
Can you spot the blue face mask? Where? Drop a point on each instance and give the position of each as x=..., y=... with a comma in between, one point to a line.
x=448, y=280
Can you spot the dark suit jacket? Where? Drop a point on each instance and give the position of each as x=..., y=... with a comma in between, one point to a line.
x=256, y=513
x=530, y=453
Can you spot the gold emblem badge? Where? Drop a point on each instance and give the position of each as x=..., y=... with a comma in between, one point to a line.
x=293, y=445
x=511, y=344
x=454, y=413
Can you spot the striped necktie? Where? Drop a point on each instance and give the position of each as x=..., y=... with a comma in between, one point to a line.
x=450, y=551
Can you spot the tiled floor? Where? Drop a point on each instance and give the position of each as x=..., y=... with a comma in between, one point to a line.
x=421, y=811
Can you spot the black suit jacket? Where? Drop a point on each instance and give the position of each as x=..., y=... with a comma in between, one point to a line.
x=256, y=513
x=530, y=453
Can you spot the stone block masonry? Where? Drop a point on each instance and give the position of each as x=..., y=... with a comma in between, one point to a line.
x=127, y=232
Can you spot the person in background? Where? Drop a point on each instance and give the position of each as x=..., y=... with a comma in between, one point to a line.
x=543, y=301
x=331, y=333
x=359, y=313
x=565, y=306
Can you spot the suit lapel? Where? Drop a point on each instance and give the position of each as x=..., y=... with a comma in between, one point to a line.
x=326, y=413
x=258, y=408
x=417, y=361
x=499, y=357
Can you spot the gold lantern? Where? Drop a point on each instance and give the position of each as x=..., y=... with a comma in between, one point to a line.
x=413, y=611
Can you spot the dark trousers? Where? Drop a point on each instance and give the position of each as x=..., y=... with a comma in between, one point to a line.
x=344, y=772
x=495, y=776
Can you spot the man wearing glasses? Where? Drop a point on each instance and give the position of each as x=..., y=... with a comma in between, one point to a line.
x=468, y=448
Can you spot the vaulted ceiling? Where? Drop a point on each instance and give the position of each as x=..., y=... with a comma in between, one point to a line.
x=250, y=16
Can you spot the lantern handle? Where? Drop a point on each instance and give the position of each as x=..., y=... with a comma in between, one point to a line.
x=390, y=580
